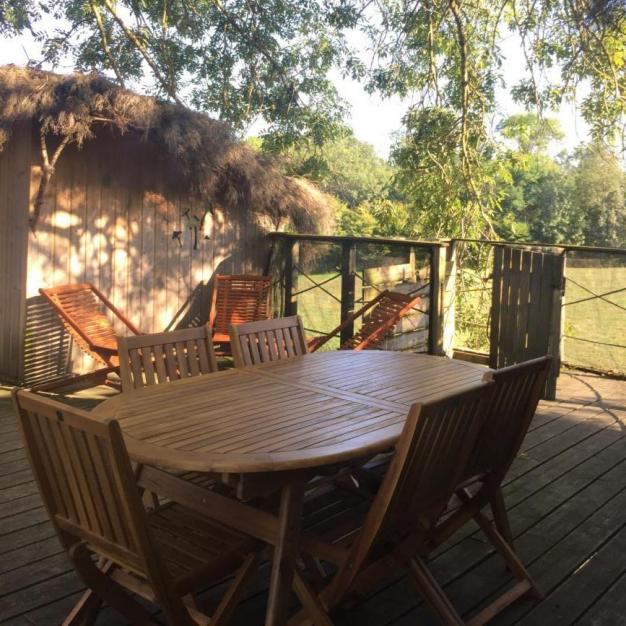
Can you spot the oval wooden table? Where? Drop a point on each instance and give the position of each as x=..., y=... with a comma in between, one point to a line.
x=278, y=423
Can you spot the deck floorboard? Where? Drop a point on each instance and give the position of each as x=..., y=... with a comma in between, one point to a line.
x=566, y=494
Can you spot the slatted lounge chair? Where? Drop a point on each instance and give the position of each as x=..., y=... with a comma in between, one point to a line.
x=380, y=317
x=410, y=516
x=267, y=340
x=94, y=501
x=82, y=308
x=237, y=299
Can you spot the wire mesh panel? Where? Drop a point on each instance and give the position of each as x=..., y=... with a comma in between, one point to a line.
x=318, y=289
x=594, y=332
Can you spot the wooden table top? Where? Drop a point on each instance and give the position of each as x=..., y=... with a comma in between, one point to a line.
x=322, y=408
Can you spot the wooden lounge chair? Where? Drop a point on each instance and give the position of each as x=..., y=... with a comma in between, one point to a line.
x=163, y=357
x=237, y=299
x=380, y=317
x=82, y=308
x=411, y=509
x=92, y=496
x=267, y=340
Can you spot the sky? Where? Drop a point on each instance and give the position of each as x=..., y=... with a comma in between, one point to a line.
x=373, y=119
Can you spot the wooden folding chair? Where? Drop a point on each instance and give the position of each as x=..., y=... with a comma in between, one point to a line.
x=402, y=526
x=517, y=391
x=82, y=308
x=92, y=496
x=162, y=357
x=237, y=299
x=267, y=340
x=380, y=317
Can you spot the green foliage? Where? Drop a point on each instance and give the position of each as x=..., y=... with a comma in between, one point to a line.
x=16, y=16
x=531, y=133
x=580, y=199
x=379, y=217
x=576, y=199
x=270, y=63
x=344, y=167
x=587, y=42
x=244, y=62
x=600, y=192
x=537, y=202
x=446, y=55
x=431, y=180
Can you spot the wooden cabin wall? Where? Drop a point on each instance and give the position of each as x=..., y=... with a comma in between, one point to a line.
x=108, y=218
x=15, y=161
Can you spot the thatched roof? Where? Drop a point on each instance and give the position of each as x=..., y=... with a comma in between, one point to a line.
x=213, y=163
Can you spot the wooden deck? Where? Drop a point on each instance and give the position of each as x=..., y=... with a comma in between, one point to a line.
x=567, y=499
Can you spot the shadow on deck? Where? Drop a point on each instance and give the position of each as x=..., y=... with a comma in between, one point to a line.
x=566, y=494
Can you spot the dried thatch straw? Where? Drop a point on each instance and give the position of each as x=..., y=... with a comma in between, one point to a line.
x=213, y=163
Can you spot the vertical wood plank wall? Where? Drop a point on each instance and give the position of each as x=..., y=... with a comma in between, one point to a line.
x=14, y=190
x=108, y=218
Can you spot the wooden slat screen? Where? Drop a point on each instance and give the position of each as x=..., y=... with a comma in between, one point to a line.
x=526, y=308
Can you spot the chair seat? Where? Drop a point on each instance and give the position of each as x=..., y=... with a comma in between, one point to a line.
x=344, y=511
x=195, y=547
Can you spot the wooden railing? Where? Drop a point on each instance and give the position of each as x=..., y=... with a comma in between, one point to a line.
x=447, y=264
x=287, y=269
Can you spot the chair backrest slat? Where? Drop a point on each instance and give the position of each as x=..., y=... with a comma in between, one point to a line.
x=85, y=478
x=517, y=391
x=431, y=456
x=161, y=357
x=238, y=299
x=267, y=340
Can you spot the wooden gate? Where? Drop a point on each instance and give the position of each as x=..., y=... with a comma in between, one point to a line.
x=526, y=309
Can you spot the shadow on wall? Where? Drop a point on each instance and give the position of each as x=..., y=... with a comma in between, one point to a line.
x=47, y=345
x=113, y=217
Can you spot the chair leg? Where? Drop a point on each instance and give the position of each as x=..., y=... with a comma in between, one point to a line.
x=310, y=601
x=233, y=594
x=432, y=593
x=315, y=570
x=85, y=611
x=107, y=589
x=501, y=518
x=507, y=553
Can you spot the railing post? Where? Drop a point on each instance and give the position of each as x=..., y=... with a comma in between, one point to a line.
x=348, y=274
x=292, y=251
x=437, y=297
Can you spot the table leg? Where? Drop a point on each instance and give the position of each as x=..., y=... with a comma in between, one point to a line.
x=283, y=562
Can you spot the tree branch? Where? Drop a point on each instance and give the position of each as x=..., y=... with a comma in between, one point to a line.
x=169, y=89
x=105, y=43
